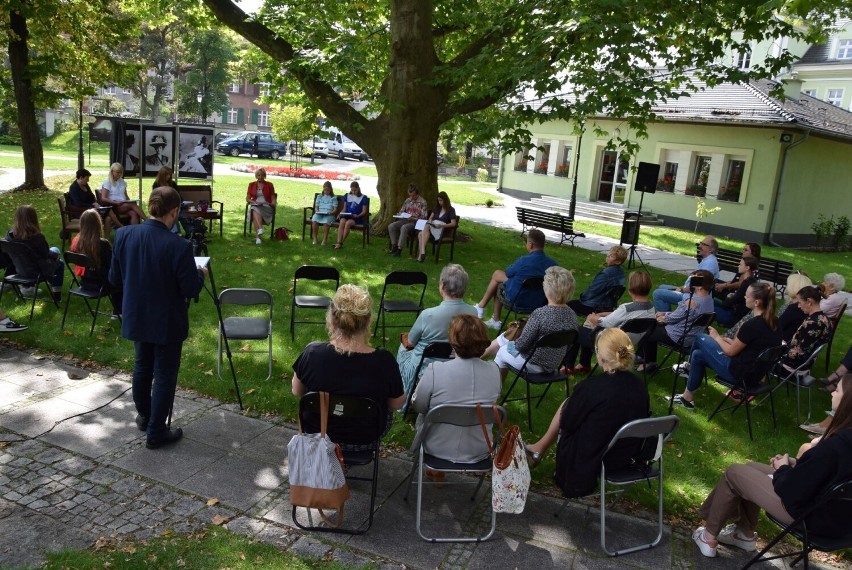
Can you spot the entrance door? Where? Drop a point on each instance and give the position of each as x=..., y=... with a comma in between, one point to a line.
x=612, y=180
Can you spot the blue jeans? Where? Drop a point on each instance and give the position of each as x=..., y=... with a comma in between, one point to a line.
x=706, y=353
x=664, y=297
x=724, y=316
x=154, y=383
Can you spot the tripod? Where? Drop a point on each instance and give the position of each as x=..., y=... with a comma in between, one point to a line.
x=632, y=234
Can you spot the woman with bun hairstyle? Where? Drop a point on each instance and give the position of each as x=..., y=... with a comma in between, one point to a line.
x=587, y=421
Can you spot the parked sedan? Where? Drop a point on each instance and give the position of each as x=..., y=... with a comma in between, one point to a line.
x=244, y=143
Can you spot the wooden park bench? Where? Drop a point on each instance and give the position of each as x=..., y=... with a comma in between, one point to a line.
x=555, y=221
x=196, y=192
x=770, y=270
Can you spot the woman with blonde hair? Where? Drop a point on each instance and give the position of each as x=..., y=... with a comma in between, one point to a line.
x=790, y=315
x=347, y=365
x=90, y=241
x=262, y=200
x=114, y=193
x=587, y=421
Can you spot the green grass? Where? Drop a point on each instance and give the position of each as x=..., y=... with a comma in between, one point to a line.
x=211, y=548
x=696, y=457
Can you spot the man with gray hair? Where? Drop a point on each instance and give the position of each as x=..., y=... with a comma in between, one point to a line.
x=667, y=295
x=433, y=325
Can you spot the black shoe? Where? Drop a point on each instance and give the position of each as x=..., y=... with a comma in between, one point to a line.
x=141, y=422
x=396, y=253
x=170, y=436
x=422, y=258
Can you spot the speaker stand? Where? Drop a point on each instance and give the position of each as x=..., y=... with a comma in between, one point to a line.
x=634, y=253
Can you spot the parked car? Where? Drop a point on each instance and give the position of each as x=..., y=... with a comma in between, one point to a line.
x=309, y=148
x=343, y=147
x=243, y=143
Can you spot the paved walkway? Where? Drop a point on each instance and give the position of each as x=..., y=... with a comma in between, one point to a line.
x=64, y=485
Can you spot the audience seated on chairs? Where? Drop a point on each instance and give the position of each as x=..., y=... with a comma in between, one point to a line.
x=506, y=285
x=356, y=212
x=732, y=308
x=326, y=208
x=553, y=317
x=790, y=316
x=832, y=289
x=442, y=216
x=734, y=359
x=785, y=488
x=829, y=385
x=722, y=289
x=814, y=330
x=464, y=380
x=46, y=260
x=597, y=296
x=678, y=323
x=432, y=325
x=347, y=365
x=90, y=242
x=596, y=410
x=667, y=295
x=114, y=193
x=641, y=307
x=81, y=198
x=7, y=325
x=414, y=208
x=262, y=199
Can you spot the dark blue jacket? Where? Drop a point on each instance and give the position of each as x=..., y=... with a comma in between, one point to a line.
x=534, y=264
x=158, y=274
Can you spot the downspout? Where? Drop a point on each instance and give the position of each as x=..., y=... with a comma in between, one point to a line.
x=780, y=183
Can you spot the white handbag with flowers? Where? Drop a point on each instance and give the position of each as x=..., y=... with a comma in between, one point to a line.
x=510, y=476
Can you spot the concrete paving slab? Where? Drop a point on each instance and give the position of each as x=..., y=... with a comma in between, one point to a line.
x=95, y=394
x=172, y=464
x=514, y=553
x=270, y=445
x=11, y=393
x=225, y=430
x=538, y=521
x=96, y=433
x=238, y=482
x=15, y=361
x=38, y=417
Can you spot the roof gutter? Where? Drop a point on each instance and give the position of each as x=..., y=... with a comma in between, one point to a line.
x=780, y=183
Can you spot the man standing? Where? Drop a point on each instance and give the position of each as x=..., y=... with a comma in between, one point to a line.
x=158, y=274
x=667, y=295
x=506, y=285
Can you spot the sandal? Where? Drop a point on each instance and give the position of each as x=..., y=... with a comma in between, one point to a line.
x=337, y=245
x=829, y=385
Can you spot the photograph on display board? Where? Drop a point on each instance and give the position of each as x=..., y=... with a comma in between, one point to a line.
x=159, y=148
x=195, y=152
x=132, y=144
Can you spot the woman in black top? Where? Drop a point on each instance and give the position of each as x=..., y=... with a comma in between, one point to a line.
x=45, y=261
x=786, y=488
x=587, y=421
x=81, y=198
x=443, y=216
x=733, y=307
x=90, y=242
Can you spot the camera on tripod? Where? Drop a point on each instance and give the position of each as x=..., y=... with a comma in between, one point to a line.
x=194, y=230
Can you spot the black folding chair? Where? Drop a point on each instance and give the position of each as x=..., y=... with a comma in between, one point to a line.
x=639, y=328
x=839, y=494
x=800, y=377
x=556, y=340
x=743, y=394
x=463, y=416
x=252, y=328
x=23, y=256
x=400, y=280
x=76, y=289
x=649, y=465
x=321, y=302
x=528, y=285
x=613, y=296
x=435, y=351
x=345, y=412
x=835, y=322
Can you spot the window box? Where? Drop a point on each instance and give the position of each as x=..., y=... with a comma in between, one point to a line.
x=665, y=185
x=563, y=170
x=696, y=190
x=521, y=166
x=541, y=168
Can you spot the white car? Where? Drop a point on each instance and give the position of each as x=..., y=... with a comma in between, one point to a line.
x=309, y=148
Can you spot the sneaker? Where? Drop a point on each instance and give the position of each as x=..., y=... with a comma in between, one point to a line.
x=732, y=537
x=257, y=241
x=29, y=292
x=815, y=429
x=7, y=325
x=493, y=324
x=480, y=311
x=260, y=232
x=679, y=400
x=681, y=369
x=707, y=549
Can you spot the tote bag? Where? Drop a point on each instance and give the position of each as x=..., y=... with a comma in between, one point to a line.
x=510, y=476
x=316, y=470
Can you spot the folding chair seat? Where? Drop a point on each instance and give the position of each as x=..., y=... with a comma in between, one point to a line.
x=835, y=322
x=765, y=360
x=69, y=226
x=457, y=415
x=800, y=377
x=528, y=285
x=76, y=289
x=20, y=253
x=397, y=280
x=248, y=328
x=435, y=351
x=559, y=339
x=320, y=302
x=344, y=411
x=649, y=465
x=839, y=494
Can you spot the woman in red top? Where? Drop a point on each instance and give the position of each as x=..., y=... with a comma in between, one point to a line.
x=263, y=199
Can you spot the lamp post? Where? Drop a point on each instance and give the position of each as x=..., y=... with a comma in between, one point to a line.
x=81, y=157
x=200, y=98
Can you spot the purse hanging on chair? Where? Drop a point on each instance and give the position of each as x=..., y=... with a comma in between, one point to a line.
x=510, y=477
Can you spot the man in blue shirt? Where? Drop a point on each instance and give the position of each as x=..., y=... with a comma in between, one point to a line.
x=598, y=297
x=505, y=285
x=667, y=295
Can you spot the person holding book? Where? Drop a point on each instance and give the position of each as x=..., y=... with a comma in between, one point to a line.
x=325, y=210
x=114, y=193
x=414, y=208
x=356, y=212
x=443, y=216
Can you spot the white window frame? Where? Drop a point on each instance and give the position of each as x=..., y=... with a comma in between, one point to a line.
x=744, y=59
x=810, y=92
x=265, y=88
x=262, y=118
x=844, y=49
x=542, y=157
x=109, y=90
x=834, y=97
x=234, y=88
x=233, y=114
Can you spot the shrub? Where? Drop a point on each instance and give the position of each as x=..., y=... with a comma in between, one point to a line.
x=481, y=175
x=10, y=139
x=837, y=231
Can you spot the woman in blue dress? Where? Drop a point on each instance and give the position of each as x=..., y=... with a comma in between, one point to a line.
x=356, y=209
x=325, y=210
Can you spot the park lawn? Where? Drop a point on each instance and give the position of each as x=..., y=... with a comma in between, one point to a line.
x=696, y=456
x=212, y=547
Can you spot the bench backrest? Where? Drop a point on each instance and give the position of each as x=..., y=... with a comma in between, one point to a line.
x=548, y=220
x=195, y=192
x=775, y=271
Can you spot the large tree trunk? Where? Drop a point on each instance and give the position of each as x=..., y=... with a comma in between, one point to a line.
x=19, y=62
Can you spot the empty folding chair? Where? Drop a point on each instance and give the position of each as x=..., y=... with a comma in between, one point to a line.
x=245, y=328
x=801, y=377
x=395, y=283
x=321, y=302
x=76, y=289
